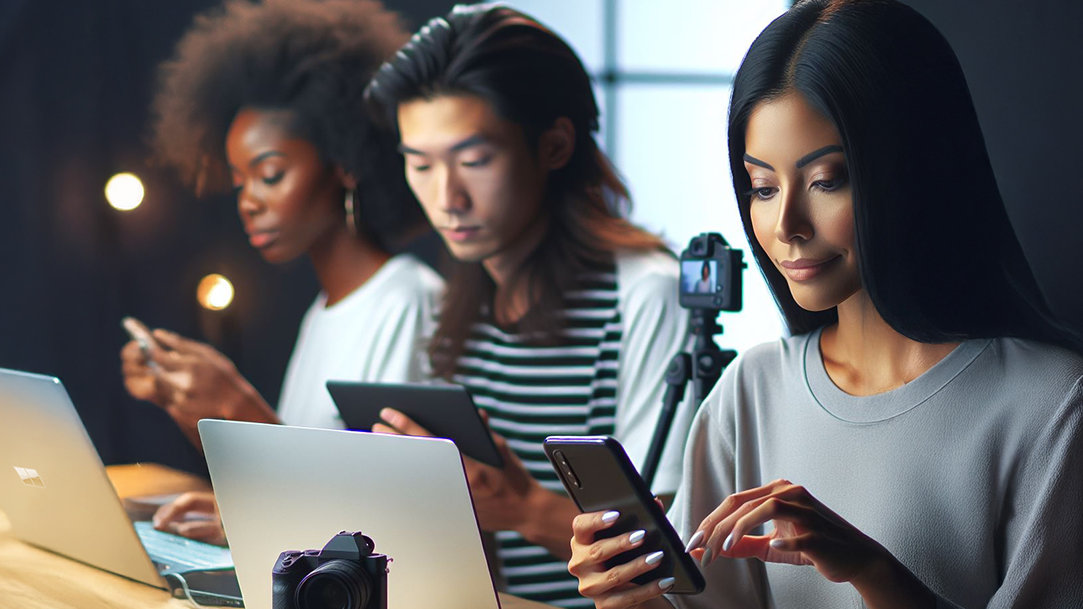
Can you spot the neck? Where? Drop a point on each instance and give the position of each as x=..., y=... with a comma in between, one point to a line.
x=512, y=298
x=864, y=355
x=343, y=262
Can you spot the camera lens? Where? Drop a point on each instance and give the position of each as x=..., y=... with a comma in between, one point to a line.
x=338, y=584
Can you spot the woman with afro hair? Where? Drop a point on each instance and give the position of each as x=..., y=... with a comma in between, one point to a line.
x=266, y=98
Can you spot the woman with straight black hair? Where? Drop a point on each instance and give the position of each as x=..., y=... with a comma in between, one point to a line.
x=928, y=407
x=561, y=315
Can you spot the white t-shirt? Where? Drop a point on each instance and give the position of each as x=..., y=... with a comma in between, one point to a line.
x=377, y=333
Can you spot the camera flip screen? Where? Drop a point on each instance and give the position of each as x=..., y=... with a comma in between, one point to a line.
x=711, y=274
x=699, y=276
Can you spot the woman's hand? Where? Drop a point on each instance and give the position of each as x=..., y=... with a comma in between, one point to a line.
x=192, y=381
x=192, y=515
x=144, y=379
x=507, y=498
x=612, y=588
x=806, y=532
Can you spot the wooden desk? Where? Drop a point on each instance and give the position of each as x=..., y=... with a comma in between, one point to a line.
x=32, y=578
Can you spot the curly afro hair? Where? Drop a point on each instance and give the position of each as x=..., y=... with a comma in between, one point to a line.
x=312, y=58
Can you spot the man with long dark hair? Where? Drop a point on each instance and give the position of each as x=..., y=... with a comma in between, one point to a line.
x=560, y=316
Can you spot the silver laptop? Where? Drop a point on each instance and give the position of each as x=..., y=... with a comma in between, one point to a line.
x=292, y=488
x=56, y=494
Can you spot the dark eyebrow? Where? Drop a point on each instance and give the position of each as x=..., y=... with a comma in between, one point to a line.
x=815, y=154
x=473, y=140
x=260, y=157
x=753, y=160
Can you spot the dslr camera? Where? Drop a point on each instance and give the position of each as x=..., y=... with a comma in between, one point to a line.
x=711, y=274
x=345, y=574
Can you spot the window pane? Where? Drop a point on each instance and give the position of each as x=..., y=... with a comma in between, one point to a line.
x=699, y=36
x=671, y=148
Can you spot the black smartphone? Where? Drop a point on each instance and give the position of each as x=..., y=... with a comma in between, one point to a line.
x=217, y=588
x=447, y=411
x=599, y=476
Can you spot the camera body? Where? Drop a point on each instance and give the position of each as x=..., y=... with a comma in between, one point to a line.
x=711, y=274
x=345, y=574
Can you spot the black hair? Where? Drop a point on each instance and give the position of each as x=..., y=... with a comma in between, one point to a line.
x=530, y=77
x=936, y=251
x=310, y=58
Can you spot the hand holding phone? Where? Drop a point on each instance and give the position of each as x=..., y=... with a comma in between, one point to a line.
x=139, y=332
x=599, y=477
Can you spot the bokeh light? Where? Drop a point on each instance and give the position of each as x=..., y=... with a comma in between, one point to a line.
x=124, y=191
x=214, y=292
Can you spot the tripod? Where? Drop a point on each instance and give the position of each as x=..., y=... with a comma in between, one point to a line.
x=703, y=367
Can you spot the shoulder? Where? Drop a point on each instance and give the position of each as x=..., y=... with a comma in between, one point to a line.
x=1042, y=371
x=760, y=370
x=1037, y=357
x=646, y=274
x=404, y=278
x=646, y=265
x=409, y=271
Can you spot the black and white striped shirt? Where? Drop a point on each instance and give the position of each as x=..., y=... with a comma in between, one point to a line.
x=531, y=392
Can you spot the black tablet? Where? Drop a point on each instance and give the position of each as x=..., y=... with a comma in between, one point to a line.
x=599, y=476
x=447, y=411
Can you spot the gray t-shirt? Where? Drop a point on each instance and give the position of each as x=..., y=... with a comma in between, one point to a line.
x=971, y=475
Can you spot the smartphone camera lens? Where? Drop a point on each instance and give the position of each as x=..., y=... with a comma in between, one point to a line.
x=566, y=469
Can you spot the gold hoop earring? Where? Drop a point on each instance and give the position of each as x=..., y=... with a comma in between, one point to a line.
x=350, y=204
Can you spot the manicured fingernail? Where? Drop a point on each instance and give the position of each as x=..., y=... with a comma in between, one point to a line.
x=610, y=516
x=706, y=558
x=666, y=583
x=636, y=537
x=654, y=557
x=728, y=543
x=777, y=543
x=694, y=542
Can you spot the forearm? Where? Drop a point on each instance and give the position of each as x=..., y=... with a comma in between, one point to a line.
x=548, y=522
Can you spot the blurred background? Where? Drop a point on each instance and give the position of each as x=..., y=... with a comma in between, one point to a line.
x=76, y=78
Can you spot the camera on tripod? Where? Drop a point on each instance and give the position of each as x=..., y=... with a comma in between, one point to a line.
x=710, y=282
x=345, y=574
x=711, y=274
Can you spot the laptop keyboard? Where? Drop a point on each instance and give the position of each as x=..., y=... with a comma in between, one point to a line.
x=175, y=553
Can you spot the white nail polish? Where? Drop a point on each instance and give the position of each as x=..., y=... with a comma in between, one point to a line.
x=637, y=536
x=654, y=557
x=666, y=583
x=610, y=516
x=706, y=558
x=777, y=543
x=694, y=542
x=728, y=543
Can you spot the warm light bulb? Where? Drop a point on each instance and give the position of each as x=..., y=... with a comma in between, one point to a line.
x=124, y=191
x=215, y=292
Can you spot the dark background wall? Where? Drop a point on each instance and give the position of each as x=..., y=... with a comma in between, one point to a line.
x=75, y=80
x=1023, y=61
